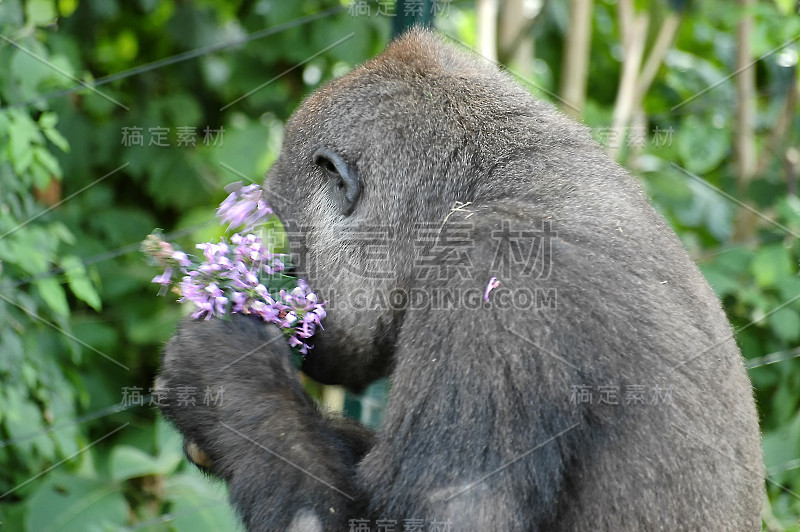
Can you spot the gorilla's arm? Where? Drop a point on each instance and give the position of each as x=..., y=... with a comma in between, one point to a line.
x=287, y=466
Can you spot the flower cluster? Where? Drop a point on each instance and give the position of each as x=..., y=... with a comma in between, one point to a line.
x=239, y=275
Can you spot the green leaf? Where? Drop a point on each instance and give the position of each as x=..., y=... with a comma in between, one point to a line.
x=53, y=294
x=722, y=282
x=771, y=264
x=709, y=208
x=763, y=377
x=148, y=329
x=168, y=439
x=13, y=516
x=22, y=132
x=701, y=146
x=22, y=418
x=781, y=446
x=61, y=232
x=41, y=175
x=783, y=402
x=67, y=437
x=28, y=71
x=736, y=260
x=785, y=323
x=49, y=162
x=11, y=347
x=786, y=7
x=79, y=282
x=96, y=332
x=67, y=503
x=123, y=224
x=48, y=122
x=789, y=288
x=130, y=462
x=197, y=504
x=789, y=208
x=40, y=12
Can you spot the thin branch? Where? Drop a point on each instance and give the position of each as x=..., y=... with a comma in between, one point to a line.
x=575, y=63
x=663, y=42
x=744, y=129
x=487, y=11
x=632, y=60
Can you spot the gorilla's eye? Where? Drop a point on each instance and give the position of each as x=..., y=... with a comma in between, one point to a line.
x=346, y=184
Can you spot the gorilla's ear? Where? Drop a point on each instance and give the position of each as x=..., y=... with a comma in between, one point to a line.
x=344, y=176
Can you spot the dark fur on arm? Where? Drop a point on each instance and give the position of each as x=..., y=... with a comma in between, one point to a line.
x=266, y=437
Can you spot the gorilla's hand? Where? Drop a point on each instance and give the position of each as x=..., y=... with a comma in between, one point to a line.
x=217, y=372
x=230, y=387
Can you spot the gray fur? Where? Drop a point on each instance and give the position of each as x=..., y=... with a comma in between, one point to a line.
x=480, y=429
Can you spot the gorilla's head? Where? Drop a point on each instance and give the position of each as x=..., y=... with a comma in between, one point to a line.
x=372, y=161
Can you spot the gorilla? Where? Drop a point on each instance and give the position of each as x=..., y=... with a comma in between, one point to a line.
x=556, y=361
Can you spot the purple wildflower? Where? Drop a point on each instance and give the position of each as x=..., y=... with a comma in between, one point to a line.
x=181, y=258
x=238, y=299
x=244, y=206
x=220, y=304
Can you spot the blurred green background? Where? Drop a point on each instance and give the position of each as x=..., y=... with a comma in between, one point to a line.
x=699, y=99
